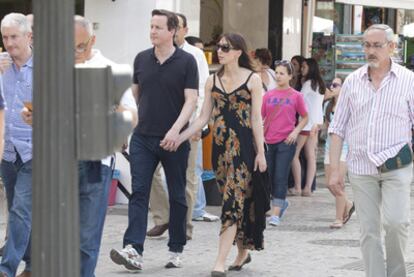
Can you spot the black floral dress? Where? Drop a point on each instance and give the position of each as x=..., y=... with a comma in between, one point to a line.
x=233, y=157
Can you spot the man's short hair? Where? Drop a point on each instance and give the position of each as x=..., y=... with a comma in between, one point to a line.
x=183, y=18
x=387, y=29
x=18, y=20
x=85, y=23
x=172, y=20
x=193, y=40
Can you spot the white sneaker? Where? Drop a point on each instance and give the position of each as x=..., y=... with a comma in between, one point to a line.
x=174, y=261
x=127, y=257
x=207, y=217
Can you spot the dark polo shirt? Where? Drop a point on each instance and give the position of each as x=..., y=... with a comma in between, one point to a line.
x=161, y=89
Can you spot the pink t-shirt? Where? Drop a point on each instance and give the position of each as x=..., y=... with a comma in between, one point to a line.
x=283, y=122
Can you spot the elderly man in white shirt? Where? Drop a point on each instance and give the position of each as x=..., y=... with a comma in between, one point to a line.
x=93, y=193
x=159, y=198
x=375, y=115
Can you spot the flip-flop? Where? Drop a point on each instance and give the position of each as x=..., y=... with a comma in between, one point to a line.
x=350, y=212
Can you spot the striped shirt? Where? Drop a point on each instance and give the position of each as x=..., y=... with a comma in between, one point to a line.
x=375, y=124
x=17, y=88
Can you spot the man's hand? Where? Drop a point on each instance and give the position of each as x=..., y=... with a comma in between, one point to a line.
x=27, y=116
x=336, y=182
x=171, y=140
x=196, y=136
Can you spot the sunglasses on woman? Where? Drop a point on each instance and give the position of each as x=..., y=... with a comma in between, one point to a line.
x=224, y=47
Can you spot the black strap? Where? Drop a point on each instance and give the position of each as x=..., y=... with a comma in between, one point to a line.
x=245, y=83
x=123, y=189
x=221, y=83
x=248, y=78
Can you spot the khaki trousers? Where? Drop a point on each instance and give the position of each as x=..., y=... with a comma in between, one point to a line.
x=159, y=198
x=383, y=201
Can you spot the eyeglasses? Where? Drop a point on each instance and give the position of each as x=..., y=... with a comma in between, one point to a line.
x=82, y=46
x=284, y=63
x=224, y=47
x=375, y=45
x=335, y=85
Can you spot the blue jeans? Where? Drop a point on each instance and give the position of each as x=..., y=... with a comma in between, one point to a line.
x=145, y=154
x=93, y=202
x=17, y=178
x=279, y=157
x=200, y=203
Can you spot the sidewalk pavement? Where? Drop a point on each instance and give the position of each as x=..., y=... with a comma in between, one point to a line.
x=303, y=246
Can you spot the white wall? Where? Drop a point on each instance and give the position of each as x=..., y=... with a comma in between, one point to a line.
x=190, y=8
x=123, y=27
x=250, y=18
x=292, y=28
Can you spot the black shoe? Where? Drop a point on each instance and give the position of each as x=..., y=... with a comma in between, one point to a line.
x=239, y=267
x=218, y=274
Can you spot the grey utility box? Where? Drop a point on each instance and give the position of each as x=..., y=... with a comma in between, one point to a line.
x=100, y=129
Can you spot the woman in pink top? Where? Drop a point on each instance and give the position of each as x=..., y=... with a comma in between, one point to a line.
x=279, y=110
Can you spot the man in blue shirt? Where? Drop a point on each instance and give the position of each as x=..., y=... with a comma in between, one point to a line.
x=16, y=166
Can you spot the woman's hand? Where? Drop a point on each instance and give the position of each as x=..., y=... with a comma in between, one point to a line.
x=314, y=130
x=260, y=162
x=291, y=139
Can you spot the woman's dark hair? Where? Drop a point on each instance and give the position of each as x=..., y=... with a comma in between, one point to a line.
x=193, y=40
x=314, y=75
x=299, y=59
x=238, y=43
x=263, y=55
x=331, y=104
x=296, y=81
x=172, y=20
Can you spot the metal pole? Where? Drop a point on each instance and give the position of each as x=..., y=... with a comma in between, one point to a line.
x=55, y=234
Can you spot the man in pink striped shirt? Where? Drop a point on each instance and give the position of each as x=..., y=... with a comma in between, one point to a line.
x=375, y=116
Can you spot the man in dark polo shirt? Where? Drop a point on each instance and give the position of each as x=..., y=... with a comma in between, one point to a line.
x=165, y=84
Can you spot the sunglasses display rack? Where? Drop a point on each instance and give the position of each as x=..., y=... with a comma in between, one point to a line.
x=349, y=54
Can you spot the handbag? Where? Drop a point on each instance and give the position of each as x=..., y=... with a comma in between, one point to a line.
x=403, y=158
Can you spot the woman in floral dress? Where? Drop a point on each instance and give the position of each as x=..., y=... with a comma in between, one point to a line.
x=233, y=96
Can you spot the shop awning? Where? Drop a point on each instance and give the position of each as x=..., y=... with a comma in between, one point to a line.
x=400, y=4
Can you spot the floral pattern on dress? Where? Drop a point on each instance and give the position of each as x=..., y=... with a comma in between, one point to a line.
x=233, y=157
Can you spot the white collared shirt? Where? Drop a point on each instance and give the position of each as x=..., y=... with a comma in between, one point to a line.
x=203, y=71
